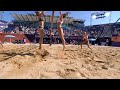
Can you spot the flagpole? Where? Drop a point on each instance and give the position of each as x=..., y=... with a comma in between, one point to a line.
x=91, y=19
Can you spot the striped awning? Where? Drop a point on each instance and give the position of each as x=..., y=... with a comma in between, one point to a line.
x=21, y=17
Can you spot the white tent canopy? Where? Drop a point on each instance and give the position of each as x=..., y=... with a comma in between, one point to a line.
x=9, y=36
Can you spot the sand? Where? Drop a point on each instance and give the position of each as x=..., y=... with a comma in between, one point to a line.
x=28, y=62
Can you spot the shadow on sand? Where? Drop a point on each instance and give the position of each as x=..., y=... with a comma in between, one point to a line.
x=13, y=54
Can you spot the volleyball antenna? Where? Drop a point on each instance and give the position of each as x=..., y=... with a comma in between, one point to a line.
x=51, y=29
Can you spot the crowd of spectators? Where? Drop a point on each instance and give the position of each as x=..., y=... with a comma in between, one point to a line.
x=93, y=31
x=99, y=30
x=70, y=31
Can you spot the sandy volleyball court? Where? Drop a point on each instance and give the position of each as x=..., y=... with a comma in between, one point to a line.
x=28, y=62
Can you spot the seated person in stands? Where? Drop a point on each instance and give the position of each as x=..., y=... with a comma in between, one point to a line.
x=107, y=42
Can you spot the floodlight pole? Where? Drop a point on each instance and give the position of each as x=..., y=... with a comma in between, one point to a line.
x=110, y=17
x=91, y=20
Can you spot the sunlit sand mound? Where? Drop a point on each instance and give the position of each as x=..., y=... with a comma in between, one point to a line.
x=28, y=62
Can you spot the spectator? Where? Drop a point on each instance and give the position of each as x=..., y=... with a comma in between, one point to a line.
x=24, y=40
x=107, y=42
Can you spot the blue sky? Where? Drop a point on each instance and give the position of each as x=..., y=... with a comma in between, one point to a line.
x=76, y=14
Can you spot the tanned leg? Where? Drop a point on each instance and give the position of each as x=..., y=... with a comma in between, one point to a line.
x=60, y=31
x=88, y=45
x=81, y=45
x=41, y=33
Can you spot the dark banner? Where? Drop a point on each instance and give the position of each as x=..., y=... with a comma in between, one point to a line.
x=115, y=35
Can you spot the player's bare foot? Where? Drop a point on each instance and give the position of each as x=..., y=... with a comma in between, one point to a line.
x=63, y=48
x=40, y=47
